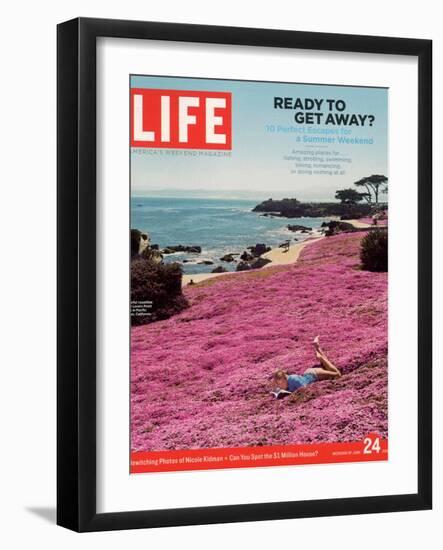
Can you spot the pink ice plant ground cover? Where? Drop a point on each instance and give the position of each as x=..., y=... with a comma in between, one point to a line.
x=201, y=379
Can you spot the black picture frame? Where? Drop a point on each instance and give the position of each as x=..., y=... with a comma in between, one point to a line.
x=76, y=282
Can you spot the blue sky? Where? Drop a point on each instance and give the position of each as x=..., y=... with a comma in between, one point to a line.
x=256, y=167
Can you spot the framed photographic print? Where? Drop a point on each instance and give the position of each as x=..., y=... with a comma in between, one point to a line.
x=236, y=339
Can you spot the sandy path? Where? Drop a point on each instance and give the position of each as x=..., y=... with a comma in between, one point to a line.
x=278, y=256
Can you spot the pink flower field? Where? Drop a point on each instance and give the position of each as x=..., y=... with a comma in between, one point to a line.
x=201, y=379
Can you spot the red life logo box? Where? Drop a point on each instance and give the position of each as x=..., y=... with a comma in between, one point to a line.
x=180, y=119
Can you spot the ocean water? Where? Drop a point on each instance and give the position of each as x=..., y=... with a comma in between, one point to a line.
x=219, y=226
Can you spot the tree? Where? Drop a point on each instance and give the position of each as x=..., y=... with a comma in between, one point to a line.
x=349, y=196
x=374, y=185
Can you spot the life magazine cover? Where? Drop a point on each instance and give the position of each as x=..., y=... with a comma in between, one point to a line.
x=259, y=278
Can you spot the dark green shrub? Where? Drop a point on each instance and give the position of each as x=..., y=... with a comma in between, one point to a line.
x=374, y=251
x=157, y=283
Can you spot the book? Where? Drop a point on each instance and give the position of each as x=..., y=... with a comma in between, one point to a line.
x=279, y=394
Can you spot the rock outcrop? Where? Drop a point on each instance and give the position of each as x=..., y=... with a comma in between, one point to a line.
x=228, y=258
x=139, y=242
x=182, y=248
x=259, y=249
x=302, y=228
x=141, y=246
x=254, y=264
x=219, y=269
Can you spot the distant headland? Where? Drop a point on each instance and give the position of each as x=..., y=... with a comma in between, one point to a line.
x=293, y=208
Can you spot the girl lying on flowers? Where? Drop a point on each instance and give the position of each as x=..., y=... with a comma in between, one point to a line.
x=288, y=383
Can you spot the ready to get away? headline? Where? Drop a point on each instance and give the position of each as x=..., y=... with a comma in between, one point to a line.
x=190, y=119
x=309, y=111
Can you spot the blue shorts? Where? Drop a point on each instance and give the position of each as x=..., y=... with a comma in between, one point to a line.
x=296, y=381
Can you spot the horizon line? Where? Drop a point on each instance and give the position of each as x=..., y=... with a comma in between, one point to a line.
x=232, y=198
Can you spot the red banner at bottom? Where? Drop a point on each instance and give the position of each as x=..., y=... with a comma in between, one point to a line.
x=370, y=448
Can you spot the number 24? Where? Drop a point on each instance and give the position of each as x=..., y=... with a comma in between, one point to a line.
x=371, y=445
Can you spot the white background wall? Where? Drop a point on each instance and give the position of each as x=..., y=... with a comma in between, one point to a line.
x=27, y=274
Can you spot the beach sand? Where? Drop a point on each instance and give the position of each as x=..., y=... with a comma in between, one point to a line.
x=278, y=256
x=358, y=224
